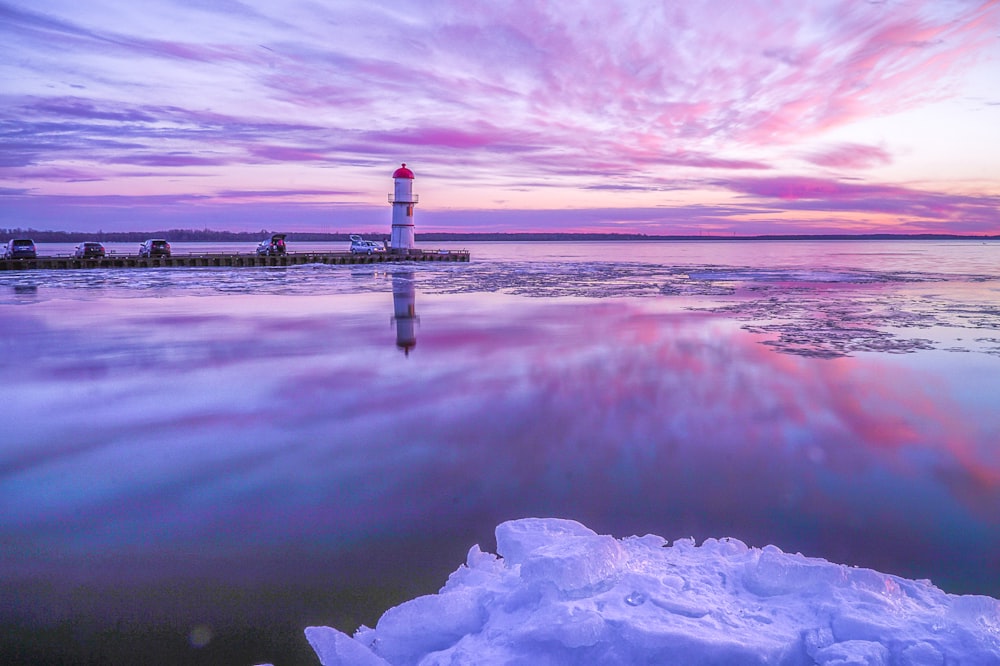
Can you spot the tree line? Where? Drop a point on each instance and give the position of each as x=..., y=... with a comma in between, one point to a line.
x=195, y=235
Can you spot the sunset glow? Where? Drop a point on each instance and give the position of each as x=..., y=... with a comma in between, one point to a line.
x=638, y=117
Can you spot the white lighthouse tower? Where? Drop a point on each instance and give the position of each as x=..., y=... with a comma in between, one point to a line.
x=403, y=200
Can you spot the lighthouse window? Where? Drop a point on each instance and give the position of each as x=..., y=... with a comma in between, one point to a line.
x=409, y=211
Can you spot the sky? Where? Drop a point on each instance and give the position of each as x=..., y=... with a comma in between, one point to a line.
x=655, y=117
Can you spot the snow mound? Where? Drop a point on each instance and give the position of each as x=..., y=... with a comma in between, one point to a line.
x=561, y=594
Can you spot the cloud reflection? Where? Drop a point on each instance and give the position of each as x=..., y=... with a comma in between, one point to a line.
x=182, y=436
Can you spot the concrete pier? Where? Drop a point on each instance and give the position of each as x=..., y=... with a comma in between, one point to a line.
x=230, y=260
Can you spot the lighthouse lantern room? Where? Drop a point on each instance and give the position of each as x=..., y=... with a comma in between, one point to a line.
x=403, y=200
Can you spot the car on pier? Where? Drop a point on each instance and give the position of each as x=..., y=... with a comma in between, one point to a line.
x=156, y=247
x=361, y=246
x=273, y=245
x=89, y=250
x=20, y=248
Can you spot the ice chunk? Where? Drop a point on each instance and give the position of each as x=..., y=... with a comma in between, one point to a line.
x=562, y=594
x=777, y=573
x=335, y=648
x=726, y=546
x=516, y=539
x=559, y=553
x=580, y=565
x=481, y=569
x=650, y=541
x=428, y=623
x=853, y=653
x=570, y=626
x=921, y=654
x=477, y=559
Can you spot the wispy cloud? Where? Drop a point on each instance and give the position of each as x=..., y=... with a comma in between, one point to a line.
x=849, y=156
x=815, y=194
x=282, y=194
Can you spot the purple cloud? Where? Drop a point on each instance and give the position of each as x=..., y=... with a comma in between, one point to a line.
x=816, y=194
x=850, y=156
x=46, y=26
x=278, y=194
x=286, y=154
x=794, y=188
x=170, y=160
x=89, y=109
x=705, y=161
x=444, y=137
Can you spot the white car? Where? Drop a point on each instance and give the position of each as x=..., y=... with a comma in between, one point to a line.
x=361, y=246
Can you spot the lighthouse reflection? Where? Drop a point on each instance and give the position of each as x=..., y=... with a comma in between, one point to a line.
x=404, y=307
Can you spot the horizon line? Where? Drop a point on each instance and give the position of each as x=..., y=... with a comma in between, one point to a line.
x=195, y=235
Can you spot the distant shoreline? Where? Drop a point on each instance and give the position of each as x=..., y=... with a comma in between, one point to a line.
x=208, y=235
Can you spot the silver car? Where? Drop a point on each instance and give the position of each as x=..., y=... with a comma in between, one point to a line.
x=361, y=246
x=273, y=245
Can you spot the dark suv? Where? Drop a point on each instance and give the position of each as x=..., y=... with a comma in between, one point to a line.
x=272, y=246
x=89, y=250
x=20, y=248
x=154, y=248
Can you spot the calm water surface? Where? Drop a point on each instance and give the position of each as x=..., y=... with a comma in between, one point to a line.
x=195, y=464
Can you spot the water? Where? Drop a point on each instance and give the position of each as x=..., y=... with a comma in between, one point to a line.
x=198, y=463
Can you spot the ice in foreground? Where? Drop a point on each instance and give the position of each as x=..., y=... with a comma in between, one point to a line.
x=561, y=594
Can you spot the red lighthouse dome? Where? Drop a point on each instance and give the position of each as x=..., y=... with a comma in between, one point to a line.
x=402, y=172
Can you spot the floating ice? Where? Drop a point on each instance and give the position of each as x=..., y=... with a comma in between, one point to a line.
x=561, y=594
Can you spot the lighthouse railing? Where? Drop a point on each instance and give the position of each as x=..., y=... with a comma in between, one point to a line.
x=414, y=198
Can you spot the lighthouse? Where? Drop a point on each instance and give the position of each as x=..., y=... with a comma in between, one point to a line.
x=403, y=200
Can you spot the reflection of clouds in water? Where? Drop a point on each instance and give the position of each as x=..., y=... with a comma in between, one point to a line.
x=809, y=312
x=301, y=422
x=526, y=278
x=818, y=312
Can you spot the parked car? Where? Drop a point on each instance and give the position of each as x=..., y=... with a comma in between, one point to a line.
x=273, y=245
x=361, y=246
x=89, y=250
x=20, y=248
x=154, y=248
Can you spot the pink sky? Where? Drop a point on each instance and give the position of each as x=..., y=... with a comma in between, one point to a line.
x=649, y=117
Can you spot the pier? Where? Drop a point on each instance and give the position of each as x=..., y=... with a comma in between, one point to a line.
x=230, y=260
